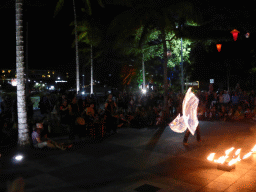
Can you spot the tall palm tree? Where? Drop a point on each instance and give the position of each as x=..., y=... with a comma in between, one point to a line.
x=58, y=7
x=90, y=32
x=77, y=57
x=89, y=10
x=23, y=137
x=151, y=14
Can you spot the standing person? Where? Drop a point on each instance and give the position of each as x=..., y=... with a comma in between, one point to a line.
x=73, y=114
x=110, y=106
x=198, y=135
x=64, y=112
x=221, y=100
x=187, y=134
x=251, y=99
x=226, y=98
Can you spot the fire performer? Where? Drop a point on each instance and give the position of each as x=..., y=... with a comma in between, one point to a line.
x=187, y=134
x=188, y=121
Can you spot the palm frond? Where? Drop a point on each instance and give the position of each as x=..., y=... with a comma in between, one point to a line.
x=59, y=6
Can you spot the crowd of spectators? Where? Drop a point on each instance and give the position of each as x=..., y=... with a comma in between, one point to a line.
x=136, y=110
x=235, y=105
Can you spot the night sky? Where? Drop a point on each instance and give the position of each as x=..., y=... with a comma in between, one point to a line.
x=50, y=39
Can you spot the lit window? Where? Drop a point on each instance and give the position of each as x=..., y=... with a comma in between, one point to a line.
x=9, y=71
x=43, y=76
x=67, y=73
x=3, y=71
x=48, y=75
x=53, y=72
x=48, y=72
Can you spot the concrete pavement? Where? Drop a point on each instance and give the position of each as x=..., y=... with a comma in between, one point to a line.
x=141, y=160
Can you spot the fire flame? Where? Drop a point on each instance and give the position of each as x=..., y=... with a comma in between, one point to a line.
x=211, y=156
x=237, y=152
x=253, y=149
x=229, y=150
x=247, y=155
x=234, y=159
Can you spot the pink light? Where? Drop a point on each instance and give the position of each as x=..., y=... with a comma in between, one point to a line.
x=235, y=34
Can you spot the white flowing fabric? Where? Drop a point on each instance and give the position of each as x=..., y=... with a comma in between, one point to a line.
x=178, y=125
x=189, y=119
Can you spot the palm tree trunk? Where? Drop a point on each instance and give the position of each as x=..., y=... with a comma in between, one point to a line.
x=23, y=133
x=143, y=71
x=91, y=71
x=77, y=58
x=182, y=70
x=165, y=72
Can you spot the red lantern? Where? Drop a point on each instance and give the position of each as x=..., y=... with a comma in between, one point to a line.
x=219, y=47
x=235, y=34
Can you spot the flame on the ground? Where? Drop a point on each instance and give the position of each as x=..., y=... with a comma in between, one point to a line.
x=234, y=159
x=222, y=159
x=229, y=150
x=237, y=152
x=211, y=156
x=247, y=155
x=253, y=149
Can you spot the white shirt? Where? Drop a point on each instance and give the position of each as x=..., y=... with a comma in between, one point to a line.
x=226, y=98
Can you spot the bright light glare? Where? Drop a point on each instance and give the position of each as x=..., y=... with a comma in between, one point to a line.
x=144, y=91
x=18, y=157
x=83, y=93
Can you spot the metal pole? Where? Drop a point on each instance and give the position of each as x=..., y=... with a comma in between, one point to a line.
x=182, y=74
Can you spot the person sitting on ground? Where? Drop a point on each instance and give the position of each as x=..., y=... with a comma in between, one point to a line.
x=248, y=114
x=121, y=121
x=39, y=142
x=213, y=112
x=64, y=112
x=239, y=114
x=150, y=117
x=90, y=113
x=223, y=113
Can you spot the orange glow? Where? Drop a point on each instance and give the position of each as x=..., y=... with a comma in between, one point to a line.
x=221, y=160
x=233, y=161
x=235, y=158
x=247, y=155
x=211, y=156
x=237, y=152
x=219, y=47
x=253, y=149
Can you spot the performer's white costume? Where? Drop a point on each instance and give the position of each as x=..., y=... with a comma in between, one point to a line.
x=189, y=119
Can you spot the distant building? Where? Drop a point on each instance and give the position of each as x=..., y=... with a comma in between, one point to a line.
x=45, y=77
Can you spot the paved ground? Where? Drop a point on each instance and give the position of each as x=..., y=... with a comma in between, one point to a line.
x=141, y=160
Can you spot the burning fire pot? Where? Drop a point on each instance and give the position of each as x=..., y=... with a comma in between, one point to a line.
x=225, y=166
x=228, y=162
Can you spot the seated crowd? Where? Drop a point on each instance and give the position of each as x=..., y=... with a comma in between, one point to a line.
x=137, y=110
x=228, y=106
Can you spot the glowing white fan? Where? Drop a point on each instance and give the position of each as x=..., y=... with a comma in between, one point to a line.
x=189, y=119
